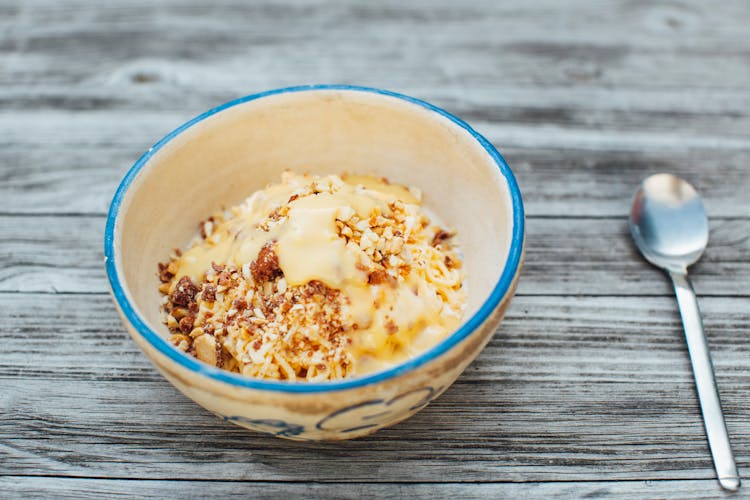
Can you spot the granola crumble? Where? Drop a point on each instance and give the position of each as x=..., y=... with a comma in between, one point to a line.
x=315, y=278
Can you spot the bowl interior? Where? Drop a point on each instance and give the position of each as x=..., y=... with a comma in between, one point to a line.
x=221, y=159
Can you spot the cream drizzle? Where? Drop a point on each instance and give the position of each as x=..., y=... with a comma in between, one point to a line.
x=309, y=248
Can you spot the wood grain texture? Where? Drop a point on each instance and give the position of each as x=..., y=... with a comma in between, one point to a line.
x=564, y=256
x=426, y=43
x=44, y=173
x=585, y=100
x=642, y=333
x=558, y=393
x=32, y=487
x=585, y=391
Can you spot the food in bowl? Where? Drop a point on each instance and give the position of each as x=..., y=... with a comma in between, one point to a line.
x=315, y=278
x=220, y=157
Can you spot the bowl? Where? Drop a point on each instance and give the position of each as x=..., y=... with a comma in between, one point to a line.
x=220, y=157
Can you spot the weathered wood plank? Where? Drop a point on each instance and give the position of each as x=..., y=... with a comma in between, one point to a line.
x=580, y=146
x=585, y=184
x=587, y=380
x=567, y=330
x=563, y=257
x=53, y=254
x=64, y=162
x=557, y=395
x=77, y=488
x=434, y=43
x=697, y=111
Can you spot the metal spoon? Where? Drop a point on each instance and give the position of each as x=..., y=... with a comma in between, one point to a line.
x=670, y=228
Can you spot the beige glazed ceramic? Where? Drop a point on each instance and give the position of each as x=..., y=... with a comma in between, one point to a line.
x=222, y=156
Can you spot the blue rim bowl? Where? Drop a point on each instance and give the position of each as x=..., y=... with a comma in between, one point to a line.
x=162, y=345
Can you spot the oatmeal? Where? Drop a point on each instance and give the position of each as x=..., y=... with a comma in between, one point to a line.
x=315, y=278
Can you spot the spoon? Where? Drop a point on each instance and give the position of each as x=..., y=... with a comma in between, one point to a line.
x=670, y=228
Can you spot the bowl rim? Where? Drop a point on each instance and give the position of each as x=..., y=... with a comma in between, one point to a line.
x=162, y=345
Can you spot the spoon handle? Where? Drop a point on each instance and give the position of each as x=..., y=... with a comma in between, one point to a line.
x=708, y=393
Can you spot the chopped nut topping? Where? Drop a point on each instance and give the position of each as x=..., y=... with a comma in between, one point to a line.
x=209, y=293
x=244, y=316
x=186, y=324
x=205, y=348
x=390, y=327
x=184, y=292
x=166, y=272
x=266, y=266
x=380, y=277
x=440, y=237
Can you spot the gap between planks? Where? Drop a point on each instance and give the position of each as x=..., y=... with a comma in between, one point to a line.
x=94, y=488
x=333, y=482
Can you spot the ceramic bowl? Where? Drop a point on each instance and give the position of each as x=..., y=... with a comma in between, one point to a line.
x=223, y=155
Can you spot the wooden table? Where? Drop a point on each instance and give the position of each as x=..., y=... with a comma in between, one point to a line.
x=585, y=390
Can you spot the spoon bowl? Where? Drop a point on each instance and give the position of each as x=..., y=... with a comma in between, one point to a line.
x=668, y=222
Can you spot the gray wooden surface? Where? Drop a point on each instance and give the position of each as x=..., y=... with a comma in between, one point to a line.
x=586, y=388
